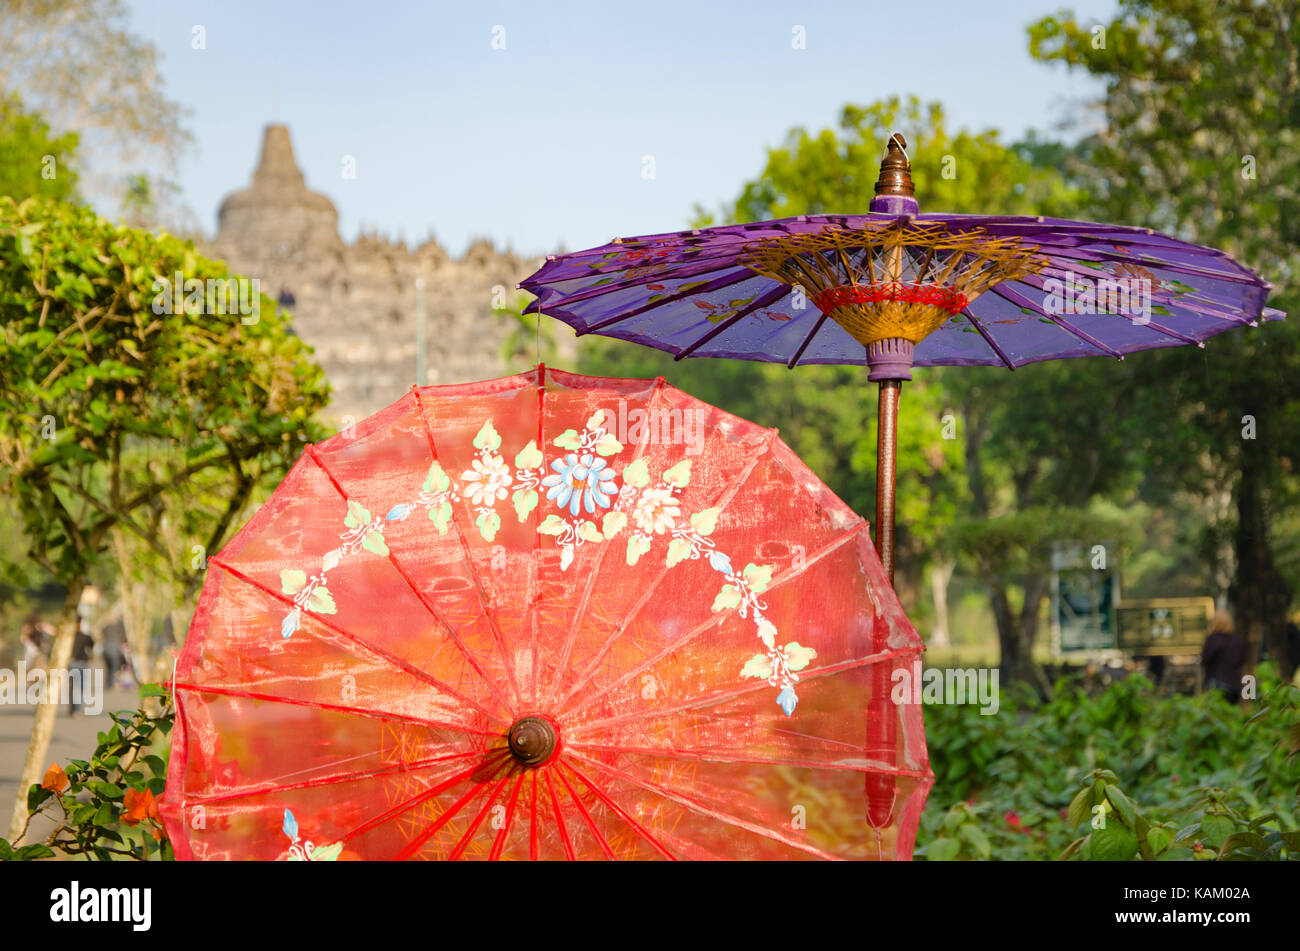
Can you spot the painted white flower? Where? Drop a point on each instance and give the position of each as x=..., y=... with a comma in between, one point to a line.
x=487, y=481
x=656, y=511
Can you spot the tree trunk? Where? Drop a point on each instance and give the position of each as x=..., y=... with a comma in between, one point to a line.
x=43, y=725
x=1259, y=593
x=1016, y=635
x=940, y=574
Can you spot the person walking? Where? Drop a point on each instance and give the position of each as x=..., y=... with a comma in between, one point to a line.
x=1222, y=656
x=113, y=638
x=78, y=670
x=33, y=648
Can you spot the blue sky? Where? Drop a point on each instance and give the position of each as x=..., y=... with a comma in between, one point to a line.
x=541, y=144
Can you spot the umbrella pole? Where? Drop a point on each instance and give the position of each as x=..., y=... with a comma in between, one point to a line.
x=886, y=467
x=890, y=359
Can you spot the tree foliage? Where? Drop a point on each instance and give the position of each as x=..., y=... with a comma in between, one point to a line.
x=1201, y=137
x=78, y=65
x=119, y=409
x=33, y=160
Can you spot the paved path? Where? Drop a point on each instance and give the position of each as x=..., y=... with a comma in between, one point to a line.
x=74, y=738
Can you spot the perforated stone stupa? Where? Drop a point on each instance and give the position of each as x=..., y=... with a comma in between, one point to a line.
x=355, y=303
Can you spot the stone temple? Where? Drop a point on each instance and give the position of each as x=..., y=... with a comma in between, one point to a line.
x=355, y=304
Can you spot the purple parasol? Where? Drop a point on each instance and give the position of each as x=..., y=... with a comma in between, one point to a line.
x=895, y=288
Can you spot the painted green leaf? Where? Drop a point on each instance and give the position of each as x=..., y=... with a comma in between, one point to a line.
x=357, y=515
x=679, y=549
x=374, y=541
x=530, y=457
x=440, y=514
x=488, y=523
x=327, y=853
x=679, y=475
x=569, y=439
x=322, y=602
x=488, y=438
x=292, y=580
x=525, y=501
x=759, y=667
x=758, y=577
x=637, y=474
x=728, y=597
x=797, y=655
x=552, y=525
x=705, y=521
x=436, y=480
x=637, y=546
x=608, y=445
x=613, y=523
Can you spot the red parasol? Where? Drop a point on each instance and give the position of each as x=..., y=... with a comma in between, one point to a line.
x=548, y=616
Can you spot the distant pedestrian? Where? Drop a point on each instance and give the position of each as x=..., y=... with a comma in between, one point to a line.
x=1222, y=656
x=33, y=641
x=78, y=672
x=113, y=638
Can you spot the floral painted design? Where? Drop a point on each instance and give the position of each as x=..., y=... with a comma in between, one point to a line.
x=581, y=481
x=304, y=851
x=779, y=666
x=581, y=484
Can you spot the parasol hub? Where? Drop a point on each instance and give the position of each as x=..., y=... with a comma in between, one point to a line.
x=534, y=740
x=890, y=359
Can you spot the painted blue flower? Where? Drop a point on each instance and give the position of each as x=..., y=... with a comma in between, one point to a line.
x=398, y=512
x=720, y=562
x=290, y=826
x=581, y=482
x=787, y=699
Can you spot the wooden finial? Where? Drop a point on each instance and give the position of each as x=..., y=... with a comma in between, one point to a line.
x=895, y=170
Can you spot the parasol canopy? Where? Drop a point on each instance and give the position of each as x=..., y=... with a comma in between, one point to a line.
x=895, y=288
x=961, y=289
x=547, y=616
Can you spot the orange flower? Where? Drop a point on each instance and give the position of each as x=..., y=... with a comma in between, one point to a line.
x=138, y=806
x=56, y=780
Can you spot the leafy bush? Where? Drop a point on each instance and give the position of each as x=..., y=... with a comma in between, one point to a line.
x=106, y=807
x=1126, y=774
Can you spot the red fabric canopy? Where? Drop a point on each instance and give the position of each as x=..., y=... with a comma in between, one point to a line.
x=547, y=616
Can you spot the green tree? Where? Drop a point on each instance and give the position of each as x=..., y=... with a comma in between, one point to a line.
x=1202, y=137
x=119, y=404
x=834, y=171
x=34, y=161
x=78, y=64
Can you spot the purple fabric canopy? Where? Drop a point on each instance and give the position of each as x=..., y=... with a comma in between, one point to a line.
x=690, y=293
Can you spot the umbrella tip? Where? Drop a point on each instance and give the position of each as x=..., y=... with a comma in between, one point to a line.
x=895, y=170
